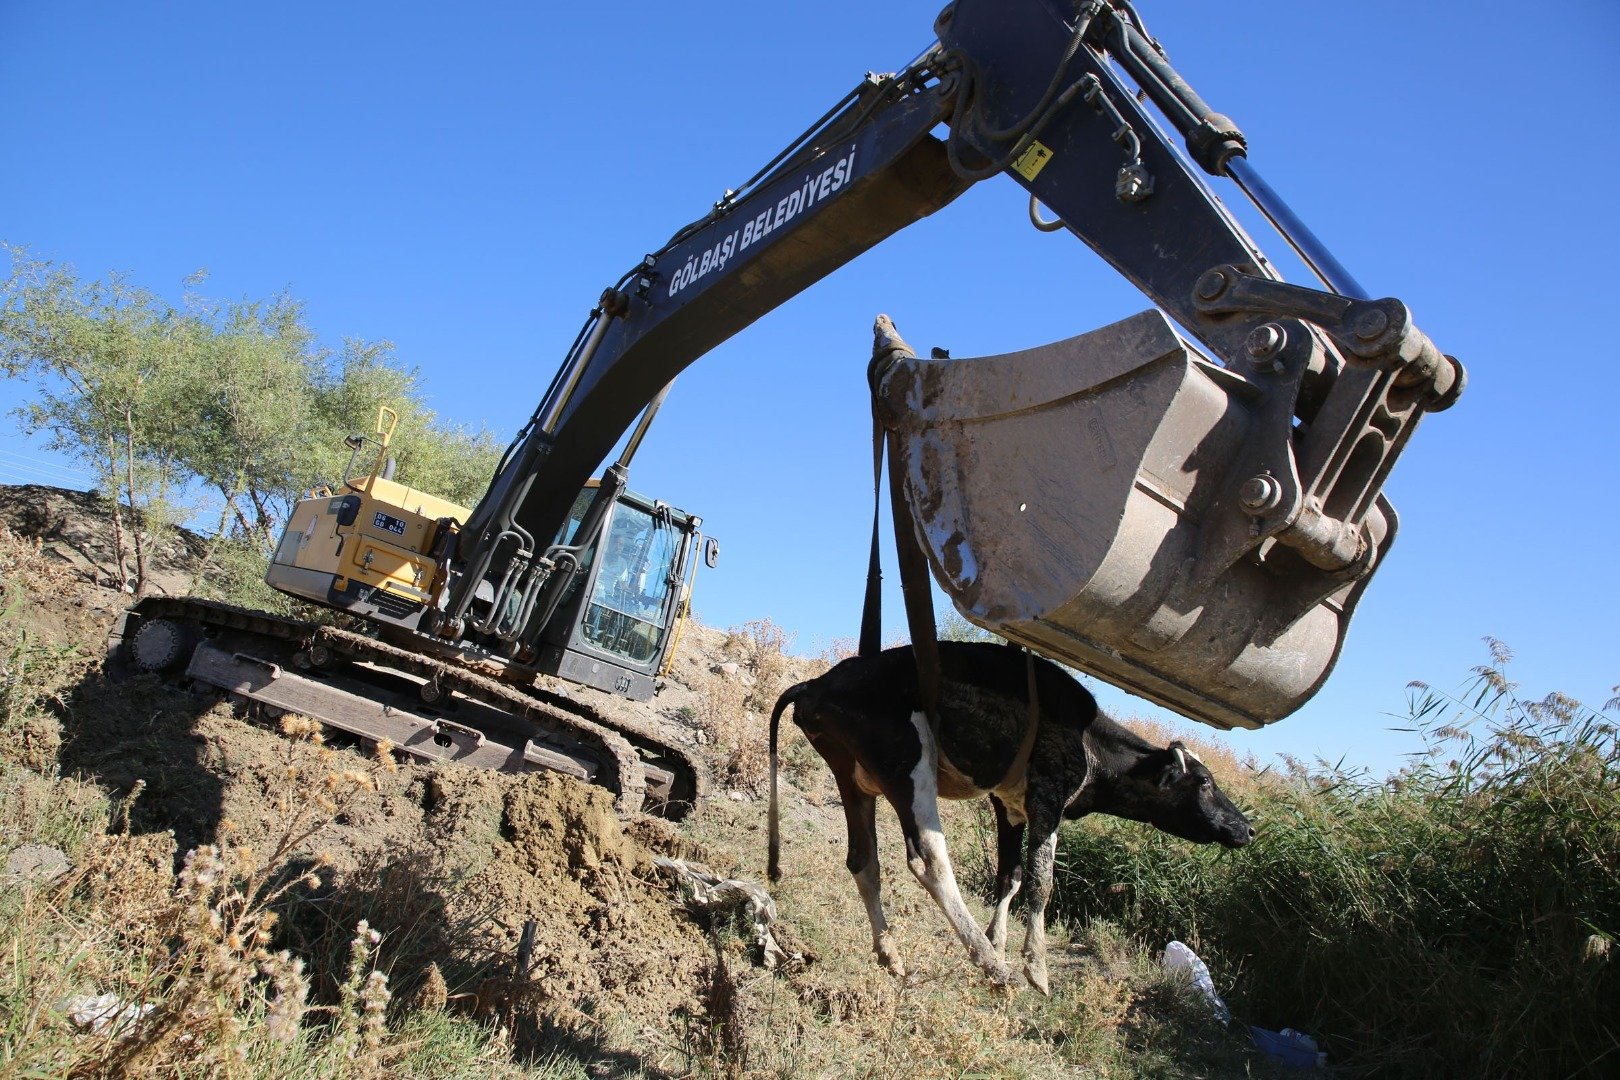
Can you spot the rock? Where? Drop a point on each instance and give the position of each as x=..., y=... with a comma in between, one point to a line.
x=729, y=669
x=34, y=865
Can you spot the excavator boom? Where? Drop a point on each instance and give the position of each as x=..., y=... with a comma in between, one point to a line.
x=1193, y=519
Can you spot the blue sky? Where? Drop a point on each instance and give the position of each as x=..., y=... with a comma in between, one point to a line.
x=464, y=182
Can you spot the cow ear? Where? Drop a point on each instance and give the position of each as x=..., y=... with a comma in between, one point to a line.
x=1174, y=768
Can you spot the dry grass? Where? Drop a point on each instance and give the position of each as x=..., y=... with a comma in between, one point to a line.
x=125, y=967
x=24, y=559
x=840, y=648
x=734, y=709
x=1114, y=1013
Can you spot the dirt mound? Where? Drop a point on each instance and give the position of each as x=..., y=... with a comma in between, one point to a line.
x=606, y=930
x=456, y=861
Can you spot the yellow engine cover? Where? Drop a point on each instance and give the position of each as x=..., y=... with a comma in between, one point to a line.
x=382, y=543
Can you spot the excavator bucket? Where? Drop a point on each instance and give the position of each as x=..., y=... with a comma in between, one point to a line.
x=1119, y=503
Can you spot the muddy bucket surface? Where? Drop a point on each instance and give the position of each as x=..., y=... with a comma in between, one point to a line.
x=1066, y=497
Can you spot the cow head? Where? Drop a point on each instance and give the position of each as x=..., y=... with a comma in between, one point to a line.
x=1187, y=802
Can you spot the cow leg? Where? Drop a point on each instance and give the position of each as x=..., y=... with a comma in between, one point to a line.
x=1044, y=816
x=1009, y=874
x=861, y=820
x=927, y=858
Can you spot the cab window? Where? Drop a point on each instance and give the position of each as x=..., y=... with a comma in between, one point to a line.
x=626, y=611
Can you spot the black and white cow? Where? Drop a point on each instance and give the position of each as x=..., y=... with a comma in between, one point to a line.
x=864, y=719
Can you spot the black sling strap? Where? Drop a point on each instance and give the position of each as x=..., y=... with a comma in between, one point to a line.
x=914, y=579
x=1032, y=727
x=872, y=610
x=915, y=587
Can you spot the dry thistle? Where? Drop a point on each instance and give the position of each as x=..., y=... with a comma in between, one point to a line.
x=384, y=751
x=374, y=997
x=434, y=992
x=201, y=870
x=128, y=804
x=359, y=992
x=286, y=1011
x=296, y=727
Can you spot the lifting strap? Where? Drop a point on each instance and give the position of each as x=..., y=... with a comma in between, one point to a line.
x=871, y=610
x=1027, y=747
x=919, y=598
x=914, y=580
x=914, y=583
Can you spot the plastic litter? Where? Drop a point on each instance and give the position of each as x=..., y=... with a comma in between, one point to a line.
x=1293, y=1048
x=102, y=1013
x=1178, y=957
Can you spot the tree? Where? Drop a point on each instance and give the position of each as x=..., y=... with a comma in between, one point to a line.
x=110, y=362
x=214, y=411
x=251, y=393
x=450, y=461
x=953, y=627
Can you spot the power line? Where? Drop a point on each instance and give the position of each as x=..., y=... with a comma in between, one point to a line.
x=54, y=462
x=24, y=474
x=37, y=464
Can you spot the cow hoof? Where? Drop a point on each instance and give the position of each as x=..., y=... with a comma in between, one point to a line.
x=1037, y=979
x=999, y=974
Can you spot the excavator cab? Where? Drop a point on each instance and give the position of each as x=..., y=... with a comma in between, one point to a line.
x=373, y=547
x=616, y=626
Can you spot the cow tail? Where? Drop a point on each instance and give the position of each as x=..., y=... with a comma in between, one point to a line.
x=773, y=844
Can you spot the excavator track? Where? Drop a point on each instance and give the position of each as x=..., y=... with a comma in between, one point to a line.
x=378, y=691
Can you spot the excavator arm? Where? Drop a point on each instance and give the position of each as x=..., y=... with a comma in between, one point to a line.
x=867, y=170
x=1237, y=511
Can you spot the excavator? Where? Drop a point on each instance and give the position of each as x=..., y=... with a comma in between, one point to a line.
x=1187, y=503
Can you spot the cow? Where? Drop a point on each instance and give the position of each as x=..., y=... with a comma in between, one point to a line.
x=1062, y=760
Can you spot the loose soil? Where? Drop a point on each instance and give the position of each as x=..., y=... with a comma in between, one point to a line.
x=612, y=943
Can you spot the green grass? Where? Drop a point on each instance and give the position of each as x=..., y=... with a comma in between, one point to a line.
x=1455, y=920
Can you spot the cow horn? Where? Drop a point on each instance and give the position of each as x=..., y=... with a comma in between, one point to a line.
x=1181, y=755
